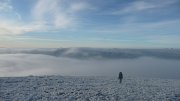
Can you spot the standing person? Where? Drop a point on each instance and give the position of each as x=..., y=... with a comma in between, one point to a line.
x=120, y=77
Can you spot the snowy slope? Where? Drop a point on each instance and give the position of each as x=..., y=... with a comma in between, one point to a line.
x=69, y=88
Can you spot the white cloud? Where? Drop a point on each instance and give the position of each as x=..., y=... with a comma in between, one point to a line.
x=58, y=13
x=5, y=6
x=62, y=21
x=138, y=6
x=12, y=30
x=80, y=6
x=7, y=10
x=15, y=28
x=139, y=27
x=8, y=25
x=47, y=15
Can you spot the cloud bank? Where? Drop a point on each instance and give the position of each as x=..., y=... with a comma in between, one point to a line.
x=98, y=53
x=89, y=62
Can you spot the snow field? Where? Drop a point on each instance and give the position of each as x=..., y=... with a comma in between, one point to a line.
x=77, y=88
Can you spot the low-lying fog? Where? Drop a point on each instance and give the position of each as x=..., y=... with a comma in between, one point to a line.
x=161, y=63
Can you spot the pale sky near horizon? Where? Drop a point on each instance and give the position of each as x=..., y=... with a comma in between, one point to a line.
x=90, y=23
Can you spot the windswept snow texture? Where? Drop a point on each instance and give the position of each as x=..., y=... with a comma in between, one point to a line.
x=69, y=88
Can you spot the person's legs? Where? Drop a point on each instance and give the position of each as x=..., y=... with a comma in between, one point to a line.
x=120, y=80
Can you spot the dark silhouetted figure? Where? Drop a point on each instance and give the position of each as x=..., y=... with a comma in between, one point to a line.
x=120, y=77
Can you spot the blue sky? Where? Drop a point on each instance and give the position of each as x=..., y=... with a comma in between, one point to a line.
x=90, y=23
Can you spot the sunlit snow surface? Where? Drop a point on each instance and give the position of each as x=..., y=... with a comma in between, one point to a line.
x=77, y=88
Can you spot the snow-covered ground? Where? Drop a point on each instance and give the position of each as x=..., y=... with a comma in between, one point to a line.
x=70, y=88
